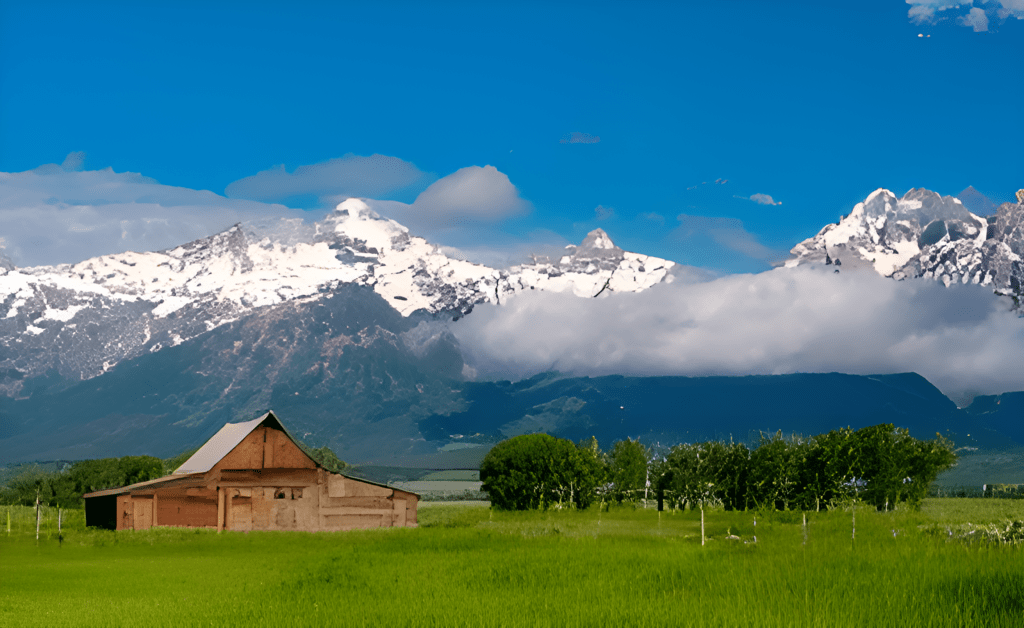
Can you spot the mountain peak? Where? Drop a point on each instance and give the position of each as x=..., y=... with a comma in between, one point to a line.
x=598, y=239
x=926, y=235
x=977, y=202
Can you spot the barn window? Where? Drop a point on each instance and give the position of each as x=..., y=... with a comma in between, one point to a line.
x=296, y=493
x=279, y=493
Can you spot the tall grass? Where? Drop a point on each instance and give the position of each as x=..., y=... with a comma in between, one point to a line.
x=471, y=566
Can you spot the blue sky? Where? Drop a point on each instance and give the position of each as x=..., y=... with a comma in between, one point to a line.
x=612, y=115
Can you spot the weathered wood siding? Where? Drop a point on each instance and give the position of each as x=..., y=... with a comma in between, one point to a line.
x=266, y=448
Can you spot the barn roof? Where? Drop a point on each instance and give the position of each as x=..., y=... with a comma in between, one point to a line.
x=225, y=440
x=168, y=481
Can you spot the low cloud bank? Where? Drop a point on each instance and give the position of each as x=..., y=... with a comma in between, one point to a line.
x=57, y=214
x=963, y=339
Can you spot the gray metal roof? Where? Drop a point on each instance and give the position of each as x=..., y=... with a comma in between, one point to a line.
x=167, y=481
x=223, y=442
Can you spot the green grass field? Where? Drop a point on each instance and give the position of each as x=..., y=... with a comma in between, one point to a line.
x=466, y=565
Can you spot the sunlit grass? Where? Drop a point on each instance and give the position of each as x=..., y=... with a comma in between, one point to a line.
x=468, y=565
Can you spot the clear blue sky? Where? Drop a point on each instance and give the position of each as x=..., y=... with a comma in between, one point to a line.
x=813, y=104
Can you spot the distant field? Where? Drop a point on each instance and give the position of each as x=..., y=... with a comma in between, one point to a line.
x=456, y=475
x=467, y=565
x=985, y=467
x=442, y=486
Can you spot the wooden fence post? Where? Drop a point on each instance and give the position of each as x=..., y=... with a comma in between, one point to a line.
x=702, y=525
x=37, y=516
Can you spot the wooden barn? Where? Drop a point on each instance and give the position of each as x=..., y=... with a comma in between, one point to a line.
x=252, y=476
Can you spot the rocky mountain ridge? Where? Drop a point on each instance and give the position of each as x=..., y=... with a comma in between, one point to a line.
x=926, y=235
x=80, y=320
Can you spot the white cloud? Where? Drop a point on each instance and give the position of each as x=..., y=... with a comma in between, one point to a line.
x=472, y=193
x=376, y=176
x=56, y=214
x=467, y=198
x=924, y=10
x=1009, y=8
x=764, y=199
x=963, y=339
x=579, y=138
x=976, y=19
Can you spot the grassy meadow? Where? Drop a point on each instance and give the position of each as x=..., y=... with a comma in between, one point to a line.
x=467, y=565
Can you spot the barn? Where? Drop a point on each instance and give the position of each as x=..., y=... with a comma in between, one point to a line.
x=252, y=476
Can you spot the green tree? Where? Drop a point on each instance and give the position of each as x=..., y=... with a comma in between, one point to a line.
x=541, y=471
x=776, y=466
x=66, y=486
x=628, y=471
x=326, y=458
x=897, y=467
x=830, y=468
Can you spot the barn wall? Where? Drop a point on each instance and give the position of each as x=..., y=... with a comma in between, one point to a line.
x=192, y=507
x=347, y=504
x=270, y=499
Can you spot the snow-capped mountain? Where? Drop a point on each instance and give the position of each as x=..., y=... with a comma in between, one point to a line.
x=925, y=235
x=80, y=320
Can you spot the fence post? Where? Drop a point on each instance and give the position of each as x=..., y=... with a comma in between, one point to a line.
x=37, y=516
x=60, y=536
x=702, y=525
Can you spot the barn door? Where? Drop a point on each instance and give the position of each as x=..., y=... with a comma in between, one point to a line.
x=143, y=513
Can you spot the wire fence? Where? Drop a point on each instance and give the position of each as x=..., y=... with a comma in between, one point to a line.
x=21, y=520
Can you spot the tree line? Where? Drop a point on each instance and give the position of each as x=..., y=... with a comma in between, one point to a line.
x=881, y=465
x=65, y=485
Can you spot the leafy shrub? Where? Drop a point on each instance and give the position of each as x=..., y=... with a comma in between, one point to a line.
x=541, y=471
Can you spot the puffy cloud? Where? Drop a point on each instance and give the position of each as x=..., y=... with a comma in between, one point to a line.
x=57, y=214
x=963, y=339
x=976, y=19
x=1009, y=8
x=924, y=10
x=376, y=176
x=728, y=232
x=579, y=138
x=469, y=196
x=472, y=193
x=764, y=199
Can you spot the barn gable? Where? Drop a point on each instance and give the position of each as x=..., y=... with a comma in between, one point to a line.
x=262, y=443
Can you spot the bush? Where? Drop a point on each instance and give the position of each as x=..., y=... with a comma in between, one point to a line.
x=541, y=471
